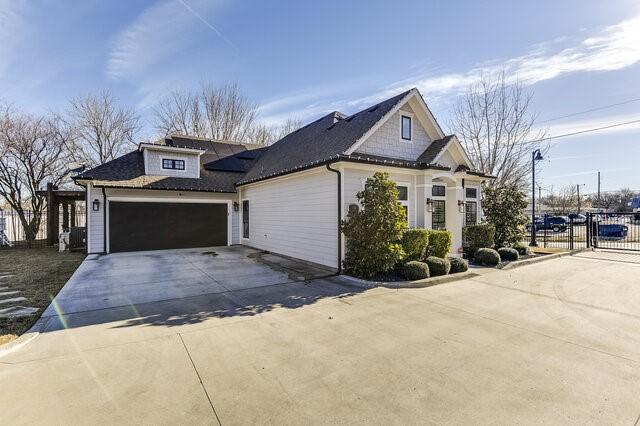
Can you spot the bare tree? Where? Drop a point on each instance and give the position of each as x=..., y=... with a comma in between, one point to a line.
x=102, y=130
x=564, y=202
x=494, y=124
x=264, y=135
x=33, y=151
x=220, y=113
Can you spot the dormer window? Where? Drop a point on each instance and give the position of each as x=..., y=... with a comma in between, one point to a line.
x=172, y=164
x=405, y=122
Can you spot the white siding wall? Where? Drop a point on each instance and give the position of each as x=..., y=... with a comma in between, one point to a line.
x=95, y=221
x=153, y=164
x=386, y=141
x=354, y=180
x=295, y=216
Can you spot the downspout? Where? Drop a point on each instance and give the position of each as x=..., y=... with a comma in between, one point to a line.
x=104, y=221
x=339, y=191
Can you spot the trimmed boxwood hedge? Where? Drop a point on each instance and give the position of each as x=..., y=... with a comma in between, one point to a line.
x=438, y=266
x=522, y=249
x=486, y=257
x=439, y=243
x=507, y=253
x=415, y=243
x=477, y=236
x=458, y=264
x=415, y=270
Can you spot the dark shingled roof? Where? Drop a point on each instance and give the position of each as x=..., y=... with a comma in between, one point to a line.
x=432, y=151
x=222, y=165
x=225, y=165
x=319, y=141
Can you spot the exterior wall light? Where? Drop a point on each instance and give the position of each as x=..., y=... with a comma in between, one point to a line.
x=429, y=205
x=236, y=206
x=96, y=205
x=461, y=206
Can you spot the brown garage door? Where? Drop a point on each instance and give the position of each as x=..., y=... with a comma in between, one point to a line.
x=157, y=226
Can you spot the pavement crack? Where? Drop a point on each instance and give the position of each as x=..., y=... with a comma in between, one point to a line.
x=200, y=379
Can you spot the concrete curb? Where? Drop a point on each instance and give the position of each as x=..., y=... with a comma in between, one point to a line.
x=525, y=262
x=427, y=282
x=39, y=326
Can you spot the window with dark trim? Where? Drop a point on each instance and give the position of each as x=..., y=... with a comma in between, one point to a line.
x=168, y=163
x=471, y=192
x=245, y=219
x=471, y=213
x=438, y=191
x=403, y=193
x=406, y=127
x=438, y=215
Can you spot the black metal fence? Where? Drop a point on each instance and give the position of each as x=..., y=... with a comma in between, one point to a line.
x=13, y=235
x=619, y=231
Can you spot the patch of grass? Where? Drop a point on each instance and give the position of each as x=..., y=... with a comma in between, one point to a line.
x=38, y=274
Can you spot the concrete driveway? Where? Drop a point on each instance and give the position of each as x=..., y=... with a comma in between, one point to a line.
x=557, y=343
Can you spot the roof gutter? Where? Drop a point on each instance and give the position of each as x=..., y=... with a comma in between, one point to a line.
x=339, y=192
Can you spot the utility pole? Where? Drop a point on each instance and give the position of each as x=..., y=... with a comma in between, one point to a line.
x=578, y=188
x=539, y=198
x=598, y=187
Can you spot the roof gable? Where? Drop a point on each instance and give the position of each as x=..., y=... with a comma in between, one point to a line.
x=418, y=106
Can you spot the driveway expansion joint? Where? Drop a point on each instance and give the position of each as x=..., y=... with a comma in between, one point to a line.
x=200, y=379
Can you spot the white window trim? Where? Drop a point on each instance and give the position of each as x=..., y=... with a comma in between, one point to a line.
x=411, y=117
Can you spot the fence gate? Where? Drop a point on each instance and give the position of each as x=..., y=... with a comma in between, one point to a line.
x=617, y=231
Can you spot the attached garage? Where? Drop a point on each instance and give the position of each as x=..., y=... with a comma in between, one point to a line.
x=134, y=225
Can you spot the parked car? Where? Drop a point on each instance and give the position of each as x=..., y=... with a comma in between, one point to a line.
x=577, y=218
x=613, y=231
x=553, y=223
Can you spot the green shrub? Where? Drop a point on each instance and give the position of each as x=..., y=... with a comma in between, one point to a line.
x=477, y=236
x=415, y=243
x=504, y=207
x=438, y=266
x=507, y=253
x=522, y=249
x=373, y=233
x=458, y=264
x=415, y=270
x=486, y=257
x=439, y=243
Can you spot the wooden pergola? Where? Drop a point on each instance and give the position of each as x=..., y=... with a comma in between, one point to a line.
x=55, y=198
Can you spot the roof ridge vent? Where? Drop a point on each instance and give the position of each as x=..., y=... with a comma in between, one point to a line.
x=373, y=108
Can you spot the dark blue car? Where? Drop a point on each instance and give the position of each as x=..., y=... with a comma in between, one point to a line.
x=613, y=231
x=553, y=223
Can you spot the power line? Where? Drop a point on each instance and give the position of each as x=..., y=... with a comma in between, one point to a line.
x=600, y=108
x=584, y=131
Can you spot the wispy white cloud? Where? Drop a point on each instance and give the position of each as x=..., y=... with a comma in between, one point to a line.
x=611, y=48
x=157, y=34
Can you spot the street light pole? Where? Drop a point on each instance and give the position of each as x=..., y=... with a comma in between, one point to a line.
x=536, y=155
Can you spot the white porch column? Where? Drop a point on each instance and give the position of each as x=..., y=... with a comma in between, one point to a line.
x=427, y=189
x=455, y=219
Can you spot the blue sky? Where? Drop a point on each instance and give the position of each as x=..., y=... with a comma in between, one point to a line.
x=301, y=59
